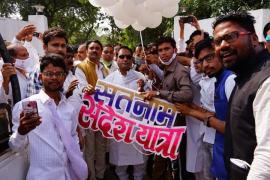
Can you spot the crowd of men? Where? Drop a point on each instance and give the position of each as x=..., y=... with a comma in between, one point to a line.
x=220, y=85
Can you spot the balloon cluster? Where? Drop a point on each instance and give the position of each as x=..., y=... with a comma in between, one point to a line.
x=138, y=13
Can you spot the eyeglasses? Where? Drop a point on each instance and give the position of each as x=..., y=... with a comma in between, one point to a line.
x=208, y=58
x=196, y=62
x=230, y=37
x=56, y=74
x=125, y=56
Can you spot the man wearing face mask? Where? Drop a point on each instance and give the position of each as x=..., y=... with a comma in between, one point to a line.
x=138, y=57
x=21, y=67
x=176, y=87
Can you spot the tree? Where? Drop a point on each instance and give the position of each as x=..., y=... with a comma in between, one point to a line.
x=77, y=17
x=211, y=8
x=80, y=19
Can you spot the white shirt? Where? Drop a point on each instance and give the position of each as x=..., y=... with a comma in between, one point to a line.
x=194, y=156
x=4, y=98
x=260, y=167
x=181, y=45
x=207, y=100
x=70, y=77
x=122, y=154
x=82, y=78
x=48, y=159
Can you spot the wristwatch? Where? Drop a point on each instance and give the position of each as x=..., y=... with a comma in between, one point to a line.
x=207, y=119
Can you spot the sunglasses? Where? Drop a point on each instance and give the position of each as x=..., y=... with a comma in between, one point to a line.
x=230, y=37
x=125, y=56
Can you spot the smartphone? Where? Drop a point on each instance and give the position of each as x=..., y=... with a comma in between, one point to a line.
x=36, y=34
x=187, y=19
x=30, y=108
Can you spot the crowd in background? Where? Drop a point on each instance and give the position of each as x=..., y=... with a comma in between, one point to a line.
x=220, y=86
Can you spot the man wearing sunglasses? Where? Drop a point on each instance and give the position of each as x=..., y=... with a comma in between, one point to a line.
x=247, y=143
x=121, y=154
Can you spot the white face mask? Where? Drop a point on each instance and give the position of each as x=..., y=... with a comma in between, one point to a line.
x=170, y=61
x=24, y=64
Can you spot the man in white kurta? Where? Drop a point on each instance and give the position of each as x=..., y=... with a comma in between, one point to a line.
x=49, y=155
x=122, y=154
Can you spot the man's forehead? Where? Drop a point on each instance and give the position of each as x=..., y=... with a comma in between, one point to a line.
x=94, y=44
x=165, y=44
x=227, y=27
x=51, y=67
x=124, y=51
x=58, y=39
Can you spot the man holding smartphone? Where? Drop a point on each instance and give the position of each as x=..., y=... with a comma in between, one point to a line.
x=51, y=139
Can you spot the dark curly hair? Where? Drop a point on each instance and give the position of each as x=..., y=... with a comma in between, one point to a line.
x=53, y=33
x=242, y=18
x=54, y=59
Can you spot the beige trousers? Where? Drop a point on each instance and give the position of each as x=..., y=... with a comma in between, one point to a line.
x=95, y=149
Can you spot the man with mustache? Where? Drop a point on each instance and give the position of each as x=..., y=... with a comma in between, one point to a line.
x=88, y=72
x=224, y=84
x=247, y=143
x=54, y=41
x=123, y=155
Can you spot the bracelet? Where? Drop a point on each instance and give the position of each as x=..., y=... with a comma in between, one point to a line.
x=207, y=119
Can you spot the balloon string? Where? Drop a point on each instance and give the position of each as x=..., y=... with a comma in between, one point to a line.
x=142, y=43
x=143, y=49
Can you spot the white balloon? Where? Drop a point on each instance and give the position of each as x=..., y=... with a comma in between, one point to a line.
x=156, y=20
x=170, y=11
x=115, y=11
x=155, y=5
x=120, y=24
x=138, y=1
x=130, y=8
x=173, y=2
x=94, y=3
x=103, y=3
x=137, y=26
x=127, y=20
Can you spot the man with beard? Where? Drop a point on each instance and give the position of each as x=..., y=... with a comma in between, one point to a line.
x=247, y=152
x=49, y=137
x=54, y=41
x=213, y=67
x=88, y=72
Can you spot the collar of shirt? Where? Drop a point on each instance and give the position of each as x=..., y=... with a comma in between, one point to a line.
x=46, y=99
x=172, y=66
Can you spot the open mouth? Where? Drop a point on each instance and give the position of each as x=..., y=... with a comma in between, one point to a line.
x=227, y=54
